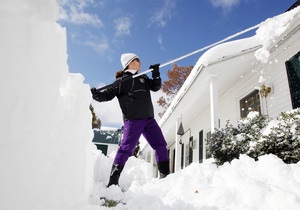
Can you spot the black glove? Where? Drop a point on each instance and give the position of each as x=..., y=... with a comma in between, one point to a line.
x=94, y=91
x=155, y=72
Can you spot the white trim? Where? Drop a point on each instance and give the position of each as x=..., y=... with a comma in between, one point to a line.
x=214, y=103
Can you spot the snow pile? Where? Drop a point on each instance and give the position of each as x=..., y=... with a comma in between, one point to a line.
x=292, y=123
x=45, y=138
x=271, y=29
x=135, y=170
x=227, y=49
x=244, y=184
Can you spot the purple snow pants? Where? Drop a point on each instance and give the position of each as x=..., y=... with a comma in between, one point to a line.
x=132, y=132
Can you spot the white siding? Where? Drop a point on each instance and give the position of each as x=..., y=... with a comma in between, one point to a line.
x=229, y=108
x=237, y=77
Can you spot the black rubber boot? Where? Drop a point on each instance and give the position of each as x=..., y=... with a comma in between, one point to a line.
x=115, y=175
x=164, y=169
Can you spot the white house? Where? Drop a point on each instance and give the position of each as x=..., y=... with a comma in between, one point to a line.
x=107, y=139
x=259, y=73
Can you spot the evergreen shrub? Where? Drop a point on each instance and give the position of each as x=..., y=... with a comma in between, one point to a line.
x=257, y=135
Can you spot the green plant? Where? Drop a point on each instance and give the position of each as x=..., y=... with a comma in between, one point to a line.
x=258, y=135
x=283, y=138
x=109, y=203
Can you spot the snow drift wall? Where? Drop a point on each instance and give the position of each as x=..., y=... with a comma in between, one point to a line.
x=45, y=121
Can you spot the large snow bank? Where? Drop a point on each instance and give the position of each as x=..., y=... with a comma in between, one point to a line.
x=244, y=184
x=45, y=138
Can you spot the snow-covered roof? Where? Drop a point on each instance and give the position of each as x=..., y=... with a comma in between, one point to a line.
x=269, y=34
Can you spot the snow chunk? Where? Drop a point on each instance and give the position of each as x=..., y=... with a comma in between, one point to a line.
x=262, y=55
x=271, y=29
x=253, y=115
x=262, y=80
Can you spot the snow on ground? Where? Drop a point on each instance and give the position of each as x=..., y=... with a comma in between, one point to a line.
x=244, y=184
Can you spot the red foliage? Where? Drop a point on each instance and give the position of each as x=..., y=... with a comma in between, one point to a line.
x=176, y=78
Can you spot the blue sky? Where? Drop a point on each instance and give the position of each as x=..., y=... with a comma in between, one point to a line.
x=159, y=31
x=99, y=31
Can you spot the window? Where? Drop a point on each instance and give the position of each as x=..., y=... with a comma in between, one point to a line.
x=208, y=138
x=173, y=161
x=191, y=149
x=293, y=73
x=250, y=103
x=102, y=148
x=201, y=146
x=187, y=154
x=182, y=155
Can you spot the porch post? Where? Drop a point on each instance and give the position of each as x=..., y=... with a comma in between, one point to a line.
x=177, y=147
x=214, y=103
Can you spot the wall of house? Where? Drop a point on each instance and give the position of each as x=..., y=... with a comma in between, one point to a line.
x=274, y=71
x=112, y=148
x=229, y=102
x=200, y=123
x=279, y=100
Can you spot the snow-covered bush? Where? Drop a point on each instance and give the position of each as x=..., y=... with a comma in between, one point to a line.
x=257, y=135
x=282, y=137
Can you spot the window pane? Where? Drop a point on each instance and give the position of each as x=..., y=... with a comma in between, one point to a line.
x=250, y=103
x=293, y=73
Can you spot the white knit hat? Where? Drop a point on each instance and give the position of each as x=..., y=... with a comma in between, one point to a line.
x=126, y=58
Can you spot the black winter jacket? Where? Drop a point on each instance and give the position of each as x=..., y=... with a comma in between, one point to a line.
x=133, y=95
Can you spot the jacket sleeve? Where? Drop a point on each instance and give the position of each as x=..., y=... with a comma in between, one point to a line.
x=107, y=94
x=154, y=84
